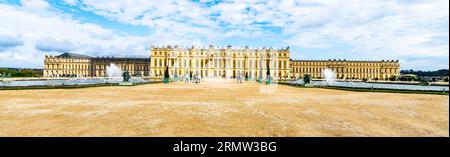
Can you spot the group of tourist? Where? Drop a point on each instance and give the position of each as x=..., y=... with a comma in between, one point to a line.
x=195, y=79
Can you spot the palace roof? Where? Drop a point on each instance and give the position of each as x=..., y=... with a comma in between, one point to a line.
x=73, y=55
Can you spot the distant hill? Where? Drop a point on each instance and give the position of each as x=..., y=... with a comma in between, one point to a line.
x=10, y=68
x=21, y=72
x=442, y=72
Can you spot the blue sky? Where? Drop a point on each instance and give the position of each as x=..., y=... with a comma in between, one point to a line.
x=412, y=31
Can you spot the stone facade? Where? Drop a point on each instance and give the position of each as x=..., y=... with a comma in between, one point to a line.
x=212, y=61
x=70, y=64
x=346, y=69
x=220, y=62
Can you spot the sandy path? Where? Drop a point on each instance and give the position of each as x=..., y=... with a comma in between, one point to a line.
x=225, y=109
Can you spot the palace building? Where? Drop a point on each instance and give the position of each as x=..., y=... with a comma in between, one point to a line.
x=220, y=62
x=76, y=65
x=225, y=62
x=345, y=69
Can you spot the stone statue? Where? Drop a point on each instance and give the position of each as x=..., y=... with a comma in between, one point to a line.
x=126, y=76
x=307, y=79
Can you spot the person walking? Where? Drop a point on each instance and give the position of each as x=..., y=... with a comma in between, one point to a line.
x=196, y=77
x=186, y=78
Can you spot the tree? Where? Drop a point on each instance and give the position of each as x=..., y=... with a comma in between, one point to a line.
x=268, y=75
x=166, y=75
x=12, y=72
x=260, y=77
x=166, y=72
x=441, y=72
x=394, y=78
x=408, y=77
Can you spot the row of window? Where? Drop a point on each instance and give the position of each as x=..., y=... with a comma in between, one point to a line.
x=346, y=63
x=67, y=60
x=160, y=53
x=342, y=76
x=83, y=73
x=88, y=67
x=68, y=66
x=217, y=63
x=341, y=70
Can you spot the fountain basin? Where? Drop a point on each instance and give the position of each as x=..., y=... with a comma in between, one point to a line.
x=384, y=86
x=66, y=82
x=125, y=83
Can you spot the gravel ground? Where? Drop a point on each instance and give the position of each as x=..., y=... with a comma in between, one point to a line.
x=220, y=108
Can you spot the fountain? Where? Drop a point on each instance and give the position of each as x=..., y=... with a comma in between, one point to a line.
x=4, y=77
x=298, y=82
x=126, y=79
x=330, y=80
x=330, y=76
x=114, y=73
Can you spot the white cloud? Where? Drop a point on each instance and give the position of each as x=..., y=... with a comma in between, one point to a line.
x=178, y=20
x=35, y=5
x=369, y=29
x=373, y=29
x=71, y=2
x=48, y=30
x=49, y=45
x=7, y=42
